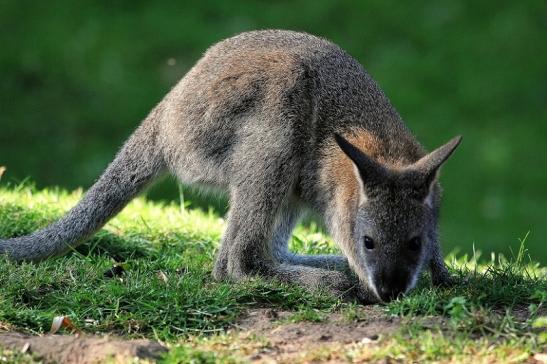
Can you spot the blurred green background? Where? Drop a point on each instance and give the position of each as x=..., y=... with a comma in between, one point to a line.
x=78, y=76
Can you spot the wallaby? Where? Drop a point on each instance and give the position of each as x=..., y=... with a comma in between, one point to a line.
x=283, y=122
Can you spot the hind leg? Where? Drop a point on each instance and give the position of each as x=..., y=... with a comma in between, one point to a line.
x=261, y=180
x=221, y=261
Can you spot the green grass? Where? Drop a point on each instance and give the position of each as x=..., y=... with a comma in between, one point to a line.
x=165, y=290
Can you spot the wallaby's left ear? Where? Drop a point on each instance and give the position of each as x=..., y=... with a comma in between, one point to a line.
x=370, y=171
x=428, y=165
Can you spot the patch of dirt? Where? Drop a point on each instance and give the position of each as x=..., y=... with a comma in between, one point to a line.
x=264, y=335
x=288, y=339
x=81, y=349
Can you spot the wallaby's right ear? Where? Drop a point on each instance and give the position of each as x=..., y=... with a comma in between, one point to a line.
x=371, y=172
x=428, y=165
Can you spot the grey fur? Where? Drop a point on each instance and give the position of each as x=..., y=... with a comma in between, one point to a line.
x=257, y=117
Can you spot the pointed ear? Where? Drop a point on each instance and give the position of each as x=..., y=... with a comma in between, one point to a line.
x=428, y=165
x=370, y=171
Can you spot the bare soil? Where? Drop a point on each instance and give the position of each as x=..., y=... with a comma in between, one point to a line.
x=289, y=341
x=81, y=349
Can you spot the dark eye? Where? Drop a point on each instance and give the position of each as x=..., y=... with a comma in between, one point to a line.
x=415, y=243
x=369, y=243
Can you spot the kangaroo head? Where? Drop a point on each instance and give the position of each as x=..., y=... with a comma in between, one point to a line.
x=394, y=222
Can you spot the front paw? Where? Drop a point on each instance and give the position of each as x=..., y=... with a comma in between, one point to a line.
x=337, y=284
x=360, y=292
x=364, y=294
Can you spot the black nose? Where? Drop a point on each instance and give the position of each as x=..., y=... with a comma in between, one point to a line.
x=390, y=293
x=391, y=283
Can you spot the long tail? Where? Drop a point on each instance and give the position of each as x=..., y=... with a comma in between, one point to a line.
x=139, y=162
